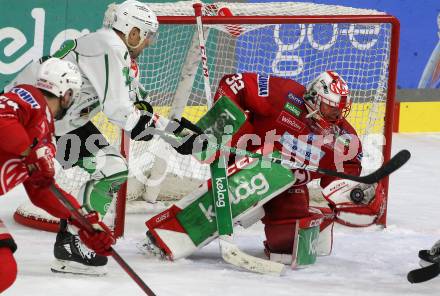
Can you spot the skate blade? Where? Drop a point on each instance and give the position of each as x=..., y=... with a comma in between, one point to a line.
x=71, y=267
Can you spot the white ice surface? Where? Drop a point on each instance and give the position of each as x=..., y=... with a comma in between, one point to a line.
x=368, y=261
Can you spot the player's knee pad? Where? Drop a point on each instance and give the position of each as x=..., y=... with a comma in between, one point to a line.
x=108, y=162
x=109, y=173
x=355, y=204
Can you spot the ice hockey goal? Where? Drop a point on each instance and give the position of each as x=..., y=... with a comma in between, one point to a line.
x=289, y=39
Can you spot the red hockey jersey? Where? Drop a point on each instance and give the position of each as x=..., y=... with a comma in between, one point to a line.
x=25, y=120
x=278, y=116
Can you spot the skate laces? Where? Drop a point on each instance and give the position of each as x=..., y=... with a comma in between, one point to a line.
x=83, y=250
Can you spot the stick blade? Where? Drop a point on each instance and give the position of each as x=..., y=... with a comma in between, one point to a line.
x=396, y=162
x=423, y=274
x=233, y=255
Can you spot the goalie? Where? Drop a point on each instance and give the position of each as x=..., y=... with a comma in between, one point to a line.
x=307, y=125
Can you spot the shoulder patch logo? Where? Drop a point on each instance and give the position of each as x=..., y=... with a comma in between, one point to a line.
x=263, y=85
x=26, y=96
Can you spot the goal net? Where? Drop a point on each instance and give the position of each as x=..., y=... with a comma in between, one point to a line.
x=288, y=39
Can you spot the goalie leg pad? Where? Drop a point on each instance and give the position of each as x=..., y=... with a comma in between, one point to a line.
x=303, y=242
x=191, y=223
x=325, y=242
x=166, y=232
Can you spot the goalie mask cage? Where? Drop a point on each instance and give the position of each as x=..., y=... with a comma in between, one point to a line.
x=287, y=39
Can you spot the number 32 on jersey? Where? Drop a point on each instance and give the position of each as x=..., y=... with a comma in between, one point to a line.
x=235, y=82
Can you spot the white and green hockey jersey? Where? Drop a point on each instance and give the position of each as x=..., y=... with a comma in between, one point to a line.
x=104, y=62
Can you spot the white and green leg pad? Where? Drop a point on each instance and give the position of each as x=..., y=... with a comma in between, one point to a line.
x=191, y=223
x=108, y=171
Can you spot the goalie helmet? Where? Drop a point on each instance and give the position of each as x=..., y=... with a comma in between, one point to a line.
x=330, y=89
x=132, y=14
x=58, y=76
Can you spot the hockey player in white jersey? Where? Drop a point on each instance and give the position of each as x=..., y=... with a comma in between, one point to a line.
x=104, y=58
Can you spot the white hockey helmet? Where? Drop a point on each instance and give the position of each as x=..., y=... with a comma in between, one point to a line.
x=58, y=76
x=331, y=89
x=132, y=14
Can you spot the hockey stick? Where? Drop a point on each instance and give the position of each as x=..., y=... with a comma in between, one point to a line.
x=76, y=214
x=230, y=252
x=223, y=213
x=392, y=165
x=423, y=274
x=388, y=168
x=426, y=272
x=198, y=13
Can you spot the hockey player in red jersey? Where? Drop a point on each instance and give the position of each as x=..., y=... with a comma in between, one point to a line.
x=307, y=125
x=312, y=128
x=27, y=150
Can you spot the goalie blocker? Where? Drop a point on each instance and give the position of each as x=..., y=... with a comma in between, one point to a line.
x=190, y=223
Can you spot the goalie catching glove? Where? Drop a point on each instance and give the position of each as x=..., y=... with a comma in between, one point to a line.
x=355, y=204
x=101, y=239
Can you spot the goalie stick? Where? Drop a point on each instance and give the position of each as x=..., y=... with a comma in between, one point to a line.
x=76, y=214
x=204, y=59
x=425, y=273
x=230, y=252
x=223, y=213
x=392, y=165
x=396, y=162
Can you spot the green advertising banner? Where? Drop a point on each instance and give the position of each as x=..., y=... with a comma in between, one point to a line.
x=31, y=29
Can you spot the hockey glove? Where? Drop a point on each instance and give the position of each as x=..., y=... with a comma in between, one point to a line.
x=99, y=241
x=186, y=124
x=144, y=106
x=192, y=144
x=40, y=165
x=140, y=131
